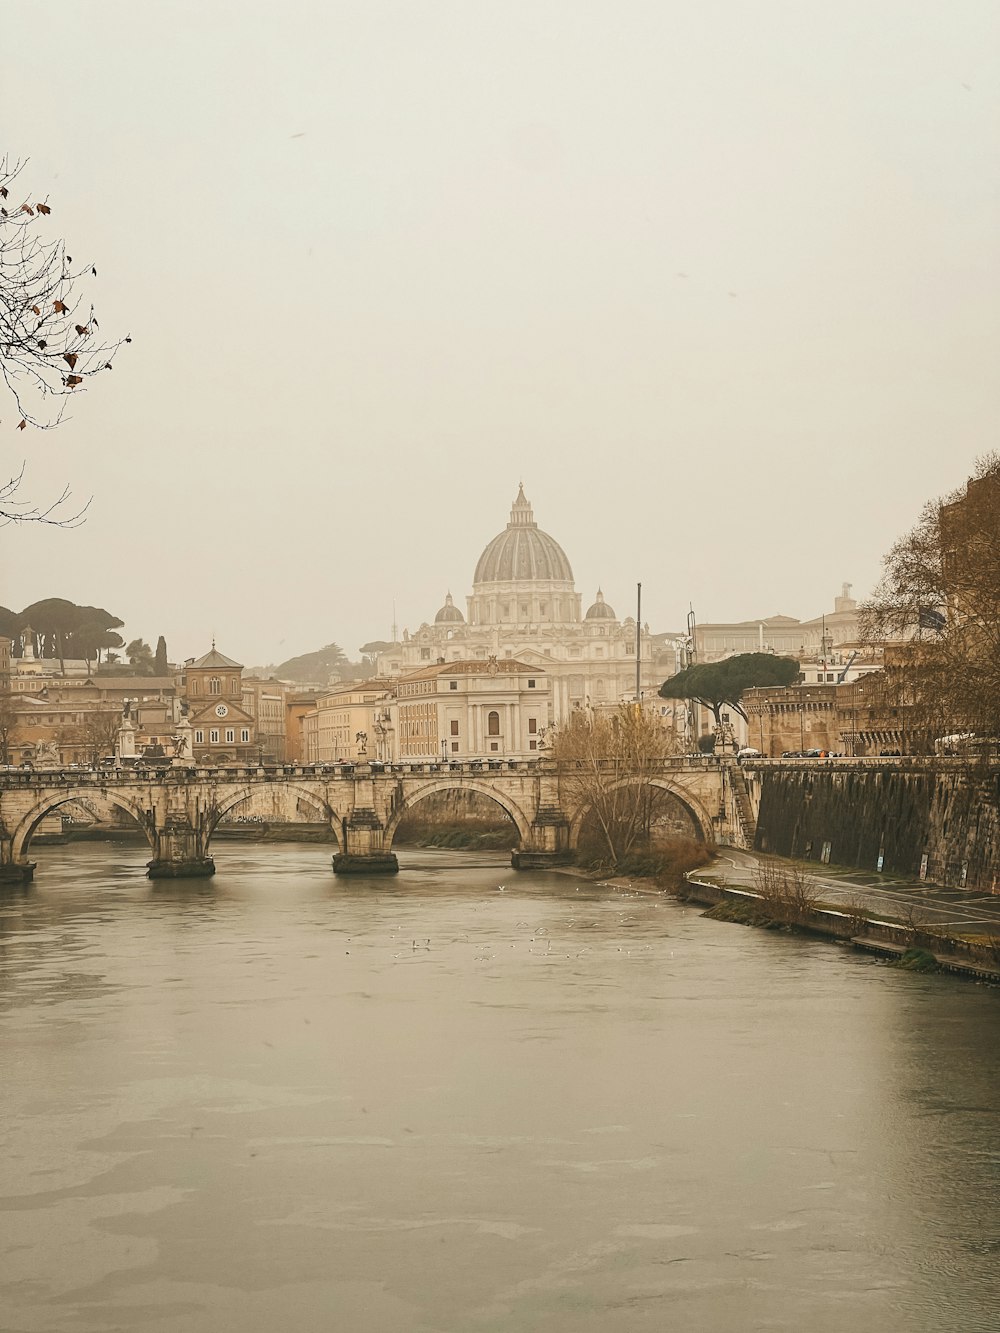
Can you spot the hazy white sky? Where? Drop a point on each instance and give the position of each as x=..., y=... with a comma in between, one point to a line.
x=719, y=281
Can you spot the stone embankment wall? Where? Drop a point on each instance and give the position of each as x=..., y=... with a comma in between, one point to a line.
x=936, y=818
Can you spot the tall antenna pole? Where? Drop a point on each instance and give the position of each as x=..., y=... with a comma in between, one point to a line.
x=638, y=643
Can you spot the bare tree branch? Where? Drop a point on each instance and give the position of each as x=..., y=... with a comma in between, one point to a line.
x=59, y=513
x=50, y=345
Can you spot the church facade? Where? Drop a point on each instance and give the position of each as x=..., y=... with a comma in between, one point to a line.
x=524, y=607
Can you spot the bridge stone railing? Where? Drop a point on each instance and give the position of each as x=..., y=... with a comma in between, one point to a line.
x=180, y=807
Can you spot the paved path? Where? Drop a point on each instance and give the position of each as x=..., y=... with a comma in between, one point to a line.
x=955, y=911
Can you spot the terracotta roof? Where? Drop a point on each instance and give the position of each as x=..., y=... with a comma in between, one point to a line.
x=215, y=659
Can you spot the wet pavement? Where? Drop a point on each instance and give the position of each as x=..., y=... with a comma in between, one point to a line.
x=909, y=901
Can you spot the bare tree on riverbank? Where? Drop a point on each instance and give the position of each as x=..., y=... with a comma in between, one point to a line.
x=939, y=601
x=607, y=758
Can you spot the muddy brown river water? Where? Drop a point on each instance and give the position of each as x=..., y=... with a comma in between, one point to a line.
x=466, y=1099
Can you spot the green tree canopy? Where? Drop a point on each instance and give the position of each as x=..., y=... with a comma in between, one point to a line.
x=140, y=655
x=63, y=629
x=370, y=651
x=161, y=666
x=720, y=685
x=315, y=668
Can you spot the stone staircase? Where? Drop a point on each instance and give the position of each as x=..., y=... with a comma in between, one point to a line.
x=744, y=808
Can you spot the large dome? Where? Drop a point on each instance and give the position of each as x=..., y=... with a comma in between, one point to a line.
x=449, y=613
x=523, y=552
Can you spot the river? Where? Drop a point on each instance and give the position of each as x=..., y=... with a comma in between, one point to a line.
x=467, y=1099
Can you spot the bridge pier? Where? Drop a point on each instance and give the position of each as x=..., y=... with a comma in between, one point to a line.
x=548, y=844
x=12, y=870
x=180, y=853
x=16, y=872
x=364, y=847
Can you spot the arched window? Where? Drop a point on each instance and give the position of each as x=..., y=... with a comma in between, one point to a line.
x=493, y=724
x=215, y=685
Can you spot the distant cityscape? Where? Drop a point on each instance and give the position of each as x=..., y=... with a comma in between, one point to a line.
x=496, y=679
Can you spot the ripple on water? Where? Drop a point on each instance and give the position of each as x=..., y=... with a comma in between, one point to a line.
x=429, y=1106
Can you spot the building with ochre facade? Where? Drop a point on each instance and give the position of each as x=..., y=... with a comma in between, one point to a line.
x=224, y=730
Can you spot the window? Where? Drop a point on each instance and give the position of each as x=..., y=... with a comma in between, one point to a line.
x=493, y=725
x=531, y=684
x=532, y=726
x=454, y=728
x=230, y=735
x=245, y=735
x=453, y=684
x=532, y=745
x=199, y=738
x=524, y=608
x=494, y=746
x=213, y=736
x=195, y=685
x=425, y=654
x=454, y=747
x=215, y=685
x=234, y=686
x=505, y=610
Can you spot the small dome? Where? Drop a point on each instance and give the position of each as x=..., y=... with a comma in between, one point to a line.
x=449, y=613
x=600, y=610
x=522, y=552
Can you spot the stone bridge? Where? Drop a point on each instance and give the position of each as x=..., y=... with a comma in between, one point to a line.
x=179, y=809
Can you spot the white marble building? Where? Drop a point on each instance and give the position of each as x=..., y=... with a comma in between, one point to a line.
x=524, y=606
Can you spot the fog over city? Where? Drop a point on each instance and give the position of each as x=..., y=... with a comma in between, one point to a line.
x=717, y=283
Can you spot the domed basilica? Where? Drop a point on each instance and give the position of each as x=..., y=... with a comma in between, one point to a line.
x=524, y=605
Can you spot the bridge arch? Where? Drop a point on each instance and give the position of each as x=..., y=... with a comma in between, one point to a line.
x=415, y=796
x=692, y=804
x=52, y=800
x=288, y=795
